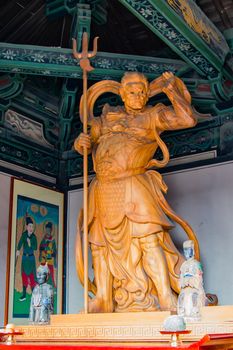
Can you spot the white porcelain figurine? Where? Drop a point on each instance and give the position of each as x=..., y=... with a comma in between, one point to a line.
x=192, y=296
x=42, y=298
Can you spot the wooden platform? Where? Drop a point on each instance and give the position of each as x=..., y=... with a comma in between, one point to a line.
x=126, y=327
x=208, y=342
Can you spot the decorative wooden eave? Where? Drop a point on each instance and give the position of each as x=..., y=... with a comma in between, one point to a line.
x=189, y=32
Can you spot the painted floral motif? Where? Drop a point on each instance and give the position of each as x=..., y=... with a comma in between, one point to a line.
x=197, y=59
x=184, y=47
x=37, y=57
x=104, y=63
x=9, y=55
x=154, y=67
x=132, y=66
x=171, y=34
x=62, y=58
x=162, y=25
x=146, y=12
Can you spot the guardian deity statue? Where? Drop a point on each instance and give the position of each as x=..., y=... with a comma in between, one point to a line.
x=136, y=265
x=192, y=296
x=42, y=298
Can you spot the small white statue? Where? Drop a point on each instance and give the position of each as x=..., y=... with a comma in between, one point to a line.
x=42, y=298
x=192, y=296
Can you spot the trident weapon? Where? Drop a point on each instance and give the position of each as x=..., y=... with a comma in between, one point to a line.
x=84, y=62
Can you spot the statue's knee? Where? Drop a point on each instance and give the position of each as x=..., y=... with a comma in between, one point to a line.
x=150, y=242
x=97, y=250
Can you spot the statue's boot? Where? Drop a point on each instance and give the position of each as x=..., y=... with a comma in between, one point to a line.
x=155, y=266
x=103, y=301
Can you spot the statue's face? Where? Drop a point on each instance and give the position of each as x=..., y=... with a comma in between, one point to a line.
x=41, y=277
x=188, y=252
x=134, y=96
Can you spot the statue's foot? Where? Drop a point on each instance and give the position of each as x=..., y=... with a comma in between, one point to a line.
x=97, y=305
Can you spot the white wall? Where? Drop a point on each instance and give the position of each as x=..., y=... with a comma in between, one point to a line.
x=204, y=198
x=74, y=290
x=74, y=293
x=4, y=219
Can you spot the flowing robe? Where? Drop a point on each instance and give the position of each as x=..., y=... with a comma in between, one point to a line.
x=124, y=203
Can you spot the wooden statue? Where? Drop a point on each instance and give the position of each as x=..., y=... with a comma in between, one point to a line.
x=136, y=265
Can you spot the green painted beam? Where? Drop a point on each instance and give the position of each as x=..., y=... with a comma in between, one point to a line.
x=59, y=62
x=171, y=27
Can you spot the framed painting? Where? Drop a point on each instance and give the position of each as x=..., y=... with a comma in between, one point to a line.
x=35, y=238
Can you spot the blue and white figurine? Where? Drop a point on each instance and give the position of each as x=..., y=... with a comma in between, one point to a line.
x=192, y=296
x=42, y=298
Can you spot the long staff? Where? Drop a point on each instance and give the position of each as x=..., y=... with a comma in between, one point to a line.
x=84, y=62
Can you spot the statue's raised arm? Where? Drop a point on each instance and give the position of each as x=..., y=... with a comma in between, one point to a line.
x=180, y=115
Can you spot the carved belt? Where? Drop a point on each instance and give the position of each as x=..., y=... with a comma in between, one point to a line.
x=121, y=175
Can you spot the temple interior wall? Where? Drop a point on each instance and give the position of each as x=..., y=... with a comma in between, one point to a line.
x=5, y=182
x=202, y=196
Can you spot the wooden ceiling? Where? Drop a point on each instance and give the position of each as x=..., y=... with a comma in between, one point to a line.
x=25, y=22
x=52, y=100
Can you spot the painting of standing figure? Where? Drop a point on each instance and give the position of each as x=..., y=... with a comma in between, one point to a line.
x=36, y=239
x=28, y=243
x=48, y=252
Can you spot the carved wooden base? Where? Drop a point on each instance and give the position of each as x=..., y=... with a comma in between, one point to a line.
x=126, y=327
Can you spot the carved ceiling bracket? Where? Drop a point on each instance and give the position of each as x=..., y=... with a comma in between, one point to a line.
x=81, y=23
x=66, y=111
x=10, y=85
x=58, y=8
x=221, y=88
